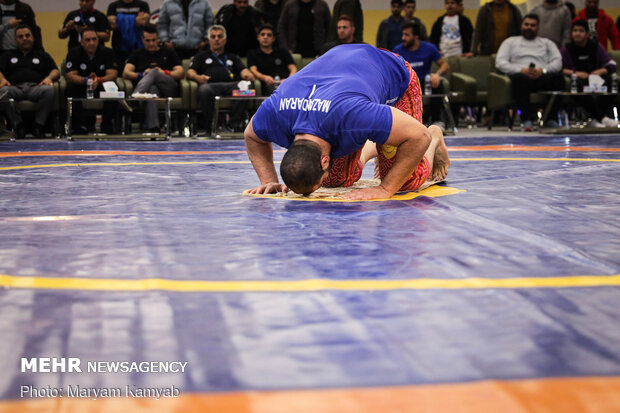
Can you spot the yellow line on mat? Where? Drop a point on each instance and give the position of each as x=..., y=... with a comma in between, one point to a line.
x=110, y=284
x=59, y=165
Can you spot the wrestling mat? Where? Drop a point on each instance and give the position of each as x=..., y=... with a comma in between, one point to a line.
x=501, y=297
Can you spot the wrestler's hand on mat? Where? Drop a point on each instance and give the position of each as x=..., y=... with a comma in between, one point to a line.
x=269, y=188
x=376, y=192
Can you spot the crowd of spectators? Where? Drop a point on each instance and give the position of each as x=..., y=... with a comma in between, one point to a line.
x=552, y=40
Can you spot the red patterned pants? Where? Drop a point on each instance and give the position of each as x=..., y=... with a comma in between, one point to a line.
x=347, y=170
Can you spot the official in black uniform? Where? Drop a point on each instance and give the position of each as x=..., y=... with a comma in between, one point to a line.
x=27, y=74
x=154, y=69
x=218, y=74
x=90, y=61
x=86, y=16
x=267, y=62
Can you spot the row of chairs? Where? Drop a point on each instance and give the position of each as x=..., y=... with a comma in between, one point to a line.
x=477, y=82
x=472, y=81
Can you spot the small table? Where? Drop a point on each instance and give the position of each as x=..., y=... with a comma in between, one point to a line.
x=70, y=101
x=219, y=99
x=445, y=100
x=553, y=95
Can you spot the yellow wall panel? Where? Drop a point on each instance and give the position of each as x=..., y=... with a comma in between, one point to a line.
x=50, y=23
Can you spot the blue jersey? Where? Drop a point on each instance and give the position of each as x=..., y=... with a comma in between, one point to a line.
x=342, y=97
x=420, y=59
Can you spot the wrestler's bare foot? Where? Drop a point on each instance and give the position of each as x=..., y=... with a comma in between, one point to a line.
x=441, y=159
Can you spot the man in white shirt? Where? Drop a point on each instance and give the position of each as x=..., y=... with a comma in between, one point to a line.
x=533, y=64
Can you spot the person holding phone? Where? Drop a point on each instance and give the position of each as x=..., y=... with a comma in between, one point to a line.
x=533, y=63
x=156, y=70
x=86, y=16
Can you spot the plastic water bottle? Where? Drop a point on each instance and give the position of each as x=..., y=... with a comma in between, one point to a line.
x=573, y=83
x=276, y=82
x=428, y=89
x=614, y=83
x=90, y=91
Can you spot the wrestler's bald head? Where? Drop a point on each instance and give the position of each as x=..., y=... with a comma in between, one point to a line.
x=301, y=168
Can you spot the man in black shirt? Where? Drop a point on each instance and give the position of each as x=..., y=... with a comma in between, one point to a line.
x=127, y=18
x=27, y=74
x=268, y=62
x=241, y=22
x=97, y=63
x=78, y=19
x=218, y=74
x=154, y=69
x=583, y=57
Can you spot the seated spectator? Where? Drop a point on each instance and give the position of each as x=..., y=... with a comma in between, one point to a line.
x=183, y=25
x=452, y=32
x=271, y=10
x=85, y=16
x=90, y=61
x=127, y=18
x=533, y=64
x=497, y=20
x=12, y=14
x=27, y=74
x=555, y=21
x=218, y=74
x=304, y=26
x=584, y=57
x=241, y=22
x=156, y=70
x=389, y=34
x=352, y=9
x=601, y=24
x=421, y=56
x=409, y=8
x=267, y=61
x=346, y=34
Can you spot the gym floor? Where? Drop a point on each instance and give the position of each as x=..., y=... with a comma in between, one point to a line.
x=498, y=292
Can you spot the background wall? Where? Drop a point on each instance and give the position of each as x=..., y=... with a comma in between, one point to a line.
x=51, y=14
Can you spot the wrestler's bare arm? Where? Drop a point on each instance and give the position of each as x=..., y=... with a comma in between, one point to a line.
x=412, y=139
x=261, y=156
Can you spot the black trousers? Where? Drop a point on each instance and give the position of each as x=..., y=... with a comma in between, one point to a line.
x=522, y=86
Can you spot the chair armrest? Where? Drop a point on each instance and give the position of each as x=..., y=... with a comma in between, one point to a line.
x=56, y=87
x=465, y=86
x=499, y=92
x=193, y=94
x=127, y=87
x=185, y=93
x=445, y=83
x=258, y=87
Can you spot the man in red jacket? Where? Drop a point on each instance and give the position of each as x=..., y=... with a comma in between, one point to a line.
x=601, y=26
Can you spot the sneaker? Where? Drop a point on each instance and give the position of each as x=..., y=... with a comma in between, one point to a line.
x=528, y=126
x=595, y=124
x=609, y=122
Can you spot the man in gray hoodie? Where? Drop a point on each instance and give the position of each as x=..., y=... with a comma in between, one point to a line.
x=183, y=25
x=555, y=21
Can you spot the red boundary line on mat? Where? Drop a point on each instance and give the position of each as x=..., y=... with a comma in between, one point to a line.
x=500, y=148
